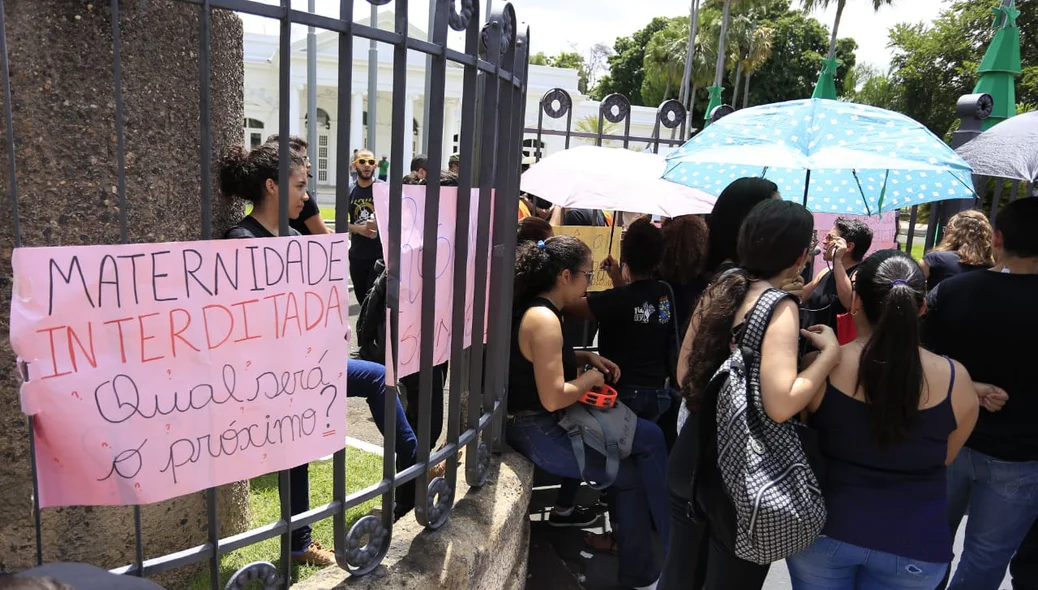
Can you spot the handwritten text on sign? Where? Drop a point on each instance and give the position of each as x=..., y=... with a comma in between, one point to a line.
x=596, y=238
x=157, y=370
x=412, y=220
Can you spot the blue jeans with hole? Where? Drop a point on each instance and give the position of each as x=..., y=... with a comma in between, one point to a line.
x=640, y=487
x=367, y=380
x=1002, y=498
x=829, y=564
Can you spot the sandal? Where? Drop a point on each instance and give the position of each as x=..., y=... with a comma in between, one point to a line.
x=604, y=543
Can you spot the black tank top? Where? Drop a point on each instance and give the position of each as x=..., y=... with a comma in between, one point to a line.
x=522, y=386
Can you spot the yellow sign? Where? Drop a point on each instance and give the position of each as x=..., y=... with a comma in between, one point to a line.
x=596, y=238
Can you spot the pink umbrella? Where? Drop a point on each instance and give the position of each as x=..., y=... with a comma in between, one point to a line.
x=612, y=179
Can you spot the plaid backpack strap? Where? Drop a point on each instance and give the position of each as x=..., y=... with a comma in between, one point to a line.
x=758, y=319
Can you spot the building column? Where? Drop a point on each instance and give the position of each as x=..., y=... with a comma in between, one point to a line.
x=356, y=123
x=405, y=166
x=450, y=128
x=294, y=113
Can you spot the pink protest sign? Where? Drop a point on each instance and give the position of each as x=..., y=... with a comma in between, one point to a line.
x=884, y=231
x=412, y=219
x=157, y=370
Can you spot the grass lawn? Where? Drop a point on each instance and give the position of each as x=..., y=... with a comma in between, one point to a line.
x=362, y=470
x=917, y=249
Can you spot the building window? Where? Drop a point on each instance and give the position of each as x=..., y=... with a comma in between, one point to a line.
x=253, y=132
x=531, y=146
x=456, y=144
x=322, y=158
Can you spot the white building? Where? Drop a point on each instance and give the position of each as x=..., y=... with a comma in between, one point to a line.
x=262, y=56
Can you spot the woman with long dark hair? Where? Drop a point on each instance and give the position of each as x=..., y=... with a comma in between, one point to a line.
x=890, y=417
x=544, y=378
x=772, y=247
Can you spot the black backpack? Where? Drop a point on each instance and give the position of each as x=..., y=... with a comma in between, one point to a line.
x=755, y=486
x=371, y=321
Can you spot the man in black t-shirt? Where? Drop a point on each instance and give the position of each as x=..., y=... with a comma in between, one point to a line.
x=365, y=245
x=309, y=221
x=829, y=293
x=987, y=321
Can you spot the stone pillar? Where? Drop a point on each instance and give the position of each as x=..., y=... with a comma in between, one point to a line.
x=295, y=115
x=63, y=105
x=405, y=166
x=450, y=128
x=357, y=123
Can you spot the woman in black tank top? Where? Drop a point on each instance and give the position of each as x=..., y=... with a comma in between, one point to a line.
x=543, y=379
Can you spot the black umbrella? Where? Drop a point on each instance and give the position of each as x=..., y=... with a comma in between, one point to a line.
x=1007, y=150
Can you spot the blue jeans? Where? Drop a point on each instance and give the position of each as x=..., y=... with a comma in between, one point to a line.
x=1002, y=498
x=368, y=380
x=829, y=564
x=640, y=492
x=647, y=402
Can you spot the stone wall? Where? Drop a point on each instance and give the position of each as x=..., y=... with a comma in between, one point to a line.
x=65, y=149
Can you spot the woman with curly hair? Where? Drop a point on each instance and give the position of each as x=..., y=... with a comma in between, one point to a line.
x=685, y=244
x=966, y=246
x=544, y=378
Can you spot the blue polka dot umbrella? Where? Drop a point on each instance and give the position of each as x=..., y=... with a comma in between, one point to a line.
x=831, y=156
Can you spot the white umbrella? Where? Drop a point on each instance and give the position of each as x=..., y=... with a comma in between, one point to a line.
x=612, y=179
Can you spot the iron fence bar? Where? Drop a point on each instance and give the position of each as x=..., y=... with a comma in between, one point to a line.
x=214, y=539
x=911, y=229
x=120, y=139
x=506, y=205
x=462, y=356
x=12, y=173
x=205, y=101
x=996, y=198
x=342, y=136
x=342, y=200
x=1013, y=191
x=931, y=228
x=491, y=45
x=12, y=168
x=284, y=170
x=401, y=131
x=120, y=154
x=434, y=99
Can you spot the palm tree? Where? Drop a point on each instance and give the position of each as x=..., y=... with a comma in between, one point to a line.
x=590, y=124
x=684, y=96
x=757, y=54
x=810, y=5
x=663, y=59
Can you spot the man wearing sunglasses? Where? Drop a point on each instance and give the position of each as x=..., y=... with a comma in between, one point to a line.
x=365, y=245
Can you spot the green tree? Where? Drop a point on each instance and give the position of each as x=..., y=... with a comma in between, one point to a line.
x=665, y=62
x=801, y=41
x=566, y=59
x=627, y=64
x=590, y=124
x=864, y=84
x=752, y=57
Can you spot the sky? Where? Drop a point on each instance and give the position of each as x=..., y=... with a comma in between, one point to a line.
x=561, y=25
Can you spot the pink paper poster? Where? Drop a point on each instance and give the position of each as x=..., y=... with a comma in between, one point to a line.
x=158, y=370
x=412, y=219
x=884, y=231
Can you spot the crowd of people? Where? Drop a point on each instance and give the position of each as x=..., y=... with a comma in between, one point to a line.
x=914, y=380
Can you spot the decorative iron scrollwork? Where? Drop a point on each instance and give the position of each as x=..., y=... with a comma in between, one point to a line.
x=460, y=21
x=671, y=114
x=615, y=108
x=720, y=112
x=441, y=500
x=479, y=473
x=556, y=95
x=379, y=3
x=259, y=571
x=363, y=558
x=506, y=21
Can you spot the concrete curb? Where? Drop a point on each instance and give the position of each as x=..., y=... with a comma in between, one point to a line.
x=484, y=545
